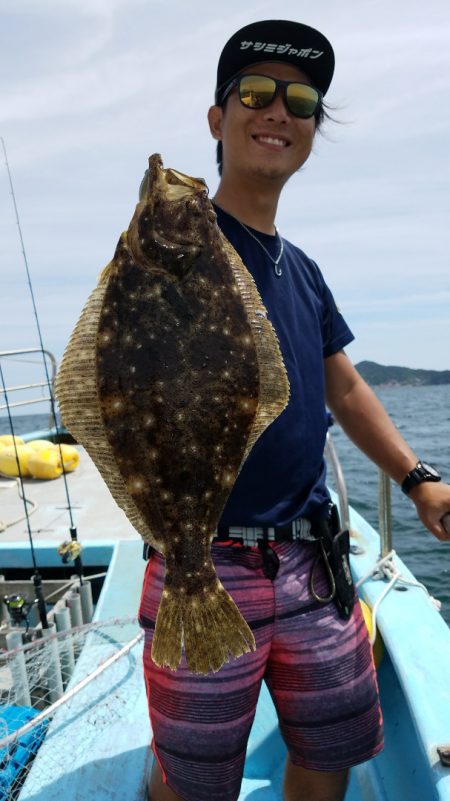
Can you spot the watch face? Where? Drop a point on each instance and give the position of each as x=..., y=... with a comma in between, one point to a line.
x=431, y=470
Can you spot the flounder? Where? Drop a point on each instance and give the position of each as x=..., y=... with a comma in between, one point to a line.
x=171, y=374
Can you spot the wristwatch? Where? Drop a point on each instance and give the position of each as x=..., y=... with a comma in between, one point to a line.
x=421, y=472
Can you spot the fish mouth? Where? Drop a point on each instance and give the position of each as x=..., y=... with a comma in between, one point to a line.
x=174, y=185
x=179, y=186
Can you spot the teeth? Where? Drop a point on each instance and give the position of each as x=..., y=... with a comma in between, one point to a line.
x=271, y=140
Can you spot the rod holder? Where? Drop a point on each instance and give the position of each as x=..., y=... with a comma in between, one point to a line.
x=18, y=670
x=74, y=604
x=66, y=652
x=53, y=671
x=87, y=606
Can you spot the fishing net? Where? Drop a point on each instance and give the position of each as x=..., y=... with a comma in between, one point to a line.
x=62, y=694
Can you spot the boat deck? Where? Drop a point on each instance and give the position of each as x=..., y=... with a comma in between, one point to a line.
x=96, y=515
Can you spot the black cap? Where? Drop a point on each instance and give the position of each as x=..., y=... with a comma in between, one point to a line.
x=277, y=40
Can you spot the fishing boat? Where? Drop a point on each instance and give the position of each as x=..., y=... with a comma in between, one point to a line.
x=93, y=735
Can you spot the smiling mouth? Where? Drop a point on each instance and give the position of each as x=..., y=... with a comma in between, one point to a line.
x=276, y=141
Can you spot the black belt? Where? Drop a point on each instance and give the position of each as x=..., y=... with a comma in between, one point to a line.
x=301, y=529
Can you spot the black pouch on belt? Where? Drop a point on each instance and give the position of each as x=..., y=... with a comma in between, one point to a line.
x=334, y=545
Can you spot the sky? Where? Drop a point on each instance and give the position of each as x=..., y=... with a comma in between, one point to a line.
x=90, y=88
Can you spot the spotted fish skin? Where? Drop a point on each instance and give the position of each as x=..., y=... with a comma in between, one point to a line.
x=180, y=380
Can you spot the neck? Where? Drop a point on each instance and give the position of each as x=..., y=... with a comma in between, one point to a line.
x=254, y=207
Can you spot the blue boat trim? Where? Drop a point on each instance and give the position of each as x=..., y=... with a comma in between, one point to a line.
x=17, y=554
x=45, y=433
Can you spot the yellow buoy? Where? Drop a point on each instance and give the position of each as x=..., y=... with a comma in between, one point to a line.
x=70, y=456
x=40, y=444
x=377, y=647
x=45, y=463
x=39, y=458
x=8, y=459
x=8, y=439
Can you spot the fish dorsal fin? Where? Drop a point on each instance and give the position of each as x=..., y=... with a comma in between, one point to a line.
x=273, y=380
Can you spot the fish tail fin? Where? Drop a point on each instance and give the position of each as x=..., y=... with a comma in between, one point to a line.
x=167, y=639
x=210, y=624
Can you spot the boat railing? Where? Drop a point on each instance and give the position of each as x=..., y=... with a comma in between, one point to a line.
x=8, y=391
x=385, y=513
x=339, y=481
x=384, y=497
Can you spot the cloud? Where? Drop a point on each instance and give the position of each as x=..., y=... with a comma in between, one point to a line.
x=92, y=87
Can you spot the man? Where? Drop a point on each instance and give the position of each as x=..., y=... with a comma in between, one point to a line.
x=272, y=76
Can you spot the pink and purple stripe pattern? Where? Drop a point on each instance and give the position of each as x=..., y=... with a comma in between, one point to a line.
x=318, y=668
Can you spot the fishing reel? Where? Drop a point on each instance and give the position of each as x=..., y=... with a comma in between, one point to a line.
x=18, y=609
x=69, y=551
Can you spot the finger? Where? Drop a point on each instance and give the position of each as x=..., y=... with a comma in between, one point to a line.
x=445, y=522
x=440, y=532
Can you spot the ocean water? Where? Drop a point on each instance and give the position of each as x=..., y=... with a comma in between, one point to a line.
x=422, y=414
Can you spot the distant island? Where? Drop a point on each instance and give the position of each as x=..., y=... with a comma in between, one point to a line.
x=377, y=374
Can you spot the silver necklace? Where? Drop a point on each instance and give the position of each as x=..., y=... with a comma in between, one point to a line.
x=275, y=262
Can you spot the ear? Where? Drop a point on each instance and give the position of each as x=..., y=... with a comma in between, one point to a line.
x=215, y=115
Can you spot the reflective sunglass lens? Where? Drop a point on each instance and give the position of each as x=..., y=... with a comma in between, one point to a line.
x=256, y=91
x=302, y=100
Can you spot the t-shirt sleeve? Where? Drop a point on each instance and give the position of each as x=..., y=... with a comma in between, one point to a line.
x=336, y=333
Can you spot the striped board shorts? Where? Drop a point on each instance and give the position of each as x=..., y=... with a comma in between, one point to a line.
x=318, y=668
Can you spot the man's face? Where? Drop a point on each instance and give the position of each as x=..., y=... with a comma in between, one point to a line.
x=267, y=143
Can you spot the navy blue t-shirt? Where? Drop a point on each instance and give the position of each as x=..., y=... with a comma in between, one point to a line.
x=284, y=476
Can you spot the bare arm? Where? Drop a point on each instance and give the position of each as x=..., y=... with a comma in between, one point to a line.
x=365, y=421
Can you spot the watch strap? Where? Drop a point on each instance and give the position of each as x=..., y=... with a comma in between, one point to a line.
x=421, y=472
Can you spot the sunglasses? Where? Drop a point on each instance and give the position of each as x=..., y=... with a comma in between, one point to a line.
x=258, y=91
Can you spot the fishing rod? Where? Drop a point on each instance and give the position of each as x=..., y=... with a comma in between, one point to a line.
x=74, y=548
x=37, y=578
